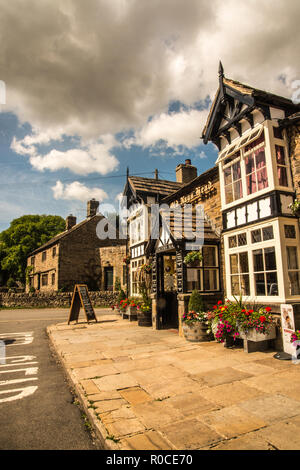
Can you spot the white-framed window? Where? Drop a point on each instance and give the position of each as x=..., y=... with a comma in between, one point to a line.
x=292, y=253
x=251, y=261
x=205, y=277
x=282, y=167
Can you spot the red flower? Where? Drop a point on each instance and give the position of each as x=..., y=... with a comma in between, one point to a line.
x=215, y=307
x=220, y=302
x=262, y=318
x=268, y=309
x=244, y=311
x=250, y=311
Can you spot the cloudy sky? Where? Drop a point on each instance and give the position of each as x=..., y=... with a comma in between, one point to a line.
x=95, y=86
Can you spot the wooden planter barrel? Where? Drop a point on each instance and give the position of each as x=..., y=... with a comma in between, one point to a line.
x=144, y=318
x=195, y=332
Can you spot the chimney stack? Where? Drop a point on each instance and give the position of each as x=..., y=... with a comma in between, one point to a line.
x=70, y=222
x=186, y=172
x=92, y=207
x=156, y=174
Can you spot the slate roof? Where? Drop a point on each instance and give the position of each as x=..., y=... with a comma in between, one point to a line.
x=153, y=186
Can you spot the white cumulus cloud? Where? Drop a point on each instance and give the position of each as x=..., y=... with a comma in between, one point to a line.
x=77, y=191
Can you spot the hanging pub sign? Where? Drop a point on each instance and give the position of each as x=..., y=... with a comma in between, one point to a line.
x=81, y=298
x=288, y=327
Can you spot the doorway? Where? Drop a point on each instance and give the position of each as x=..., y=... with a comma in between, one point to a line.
x=167, y=304
x=109, y=278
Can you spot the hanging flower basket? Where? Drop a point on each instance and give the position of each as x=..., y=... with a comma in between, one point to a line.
x=193, y=259
x=295, y=207
x=126, y=260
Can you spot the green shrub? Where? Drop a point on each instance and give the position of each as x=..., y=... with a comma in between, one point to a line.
x=11, y=282
x=121, y=295
x=196, y=302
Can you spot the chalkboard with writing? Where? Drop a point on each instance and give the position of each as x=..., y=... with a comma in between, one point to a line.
x=81, y=298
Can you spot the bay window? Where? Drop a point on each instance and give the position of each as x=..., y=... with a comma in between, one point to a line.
x=239, y=273
x=233, y=179
x=256, y=170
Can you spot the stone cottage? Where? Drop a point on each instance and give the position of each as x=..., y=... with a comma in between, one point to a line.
x=74, y=256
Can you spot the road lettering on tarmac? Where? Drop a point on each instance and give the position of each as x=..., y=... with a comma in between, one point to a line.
x=16, y=365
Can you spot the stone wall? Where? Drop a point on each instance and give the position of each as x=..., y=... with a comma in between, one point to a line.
x=54, y=299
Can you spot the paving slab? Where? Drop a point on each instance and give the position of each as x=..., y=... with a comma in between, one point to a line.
x=230, y=394
x=115, y=382
x=221, y=376
x=108, y=405
x=169, y=388
x=94, y=371
x=254, y=368
x=191, y=404
x=150, y=440
x=190, y=434
x=272, y=408
x=246, y=442
x=135, y=395
x=156, y=414
x=283, y=435
x=124, y=427
x=89, y=387
x=154, y=375
x=231, y=421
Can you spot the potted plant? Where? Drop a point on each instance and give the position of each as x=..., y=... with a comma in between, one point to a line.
x=195, y=326
x=146, y=268
x=193, y=258
x=295, y=207
x=144, y=312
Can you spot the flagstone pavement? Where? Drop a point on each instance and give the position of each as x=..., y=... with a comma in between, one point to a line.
x=149, y=390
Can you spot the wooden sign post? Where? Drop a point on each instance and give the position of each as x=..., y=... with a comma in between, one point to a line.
x=81, y=298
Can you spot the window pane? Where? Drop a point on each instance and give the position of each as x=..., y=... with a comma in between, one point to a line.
x=244, y=268
x=294, y=284
x=209, y=256
x=260, y=158
x=279, y=150
x=282, y=176
x=272, y=286
x=292, y=257
x=227, y=175
x=268, y=233
x=290, y=231
x=210, y=279
x=262, y=179
x=229, y=194
x=258, y=260
x=238, y=190
x=242, y=239
x=270, y=259
x=232, y=242
x=259, y=284
x=234, y=264
x=250, y=164
x=193, y=279
x=251, y=184
x=236, y=171
x=245, y=286
x=256, y=236
x=235, y=285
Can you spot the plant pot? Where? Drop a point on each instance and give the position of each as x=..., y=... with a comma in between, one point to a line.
x=253, y=335
x=144, y=318
x=195, y=332
x=193, y=264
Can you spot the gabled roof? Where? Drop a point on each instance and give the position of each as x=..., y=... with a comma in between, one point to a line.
x=153, y=186
x=66, y=233
x=242, y=100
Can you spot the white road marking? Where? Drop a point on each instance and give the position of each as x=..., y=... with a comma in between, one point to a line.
x=16, y=381
x=19, y=364
x=24, y=392
x=25, y=337
x=18, y=338
x=28, y=371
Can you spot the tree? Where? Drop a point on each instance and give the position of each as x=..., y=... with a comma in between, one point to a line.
x=25, y=234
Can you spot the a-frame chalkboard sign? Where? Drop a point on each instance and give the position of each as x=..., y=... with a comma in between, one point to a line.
x=81, y=298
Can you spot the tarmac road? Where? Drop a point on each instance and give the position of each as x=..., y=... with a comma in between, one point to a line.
x=37, y=409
